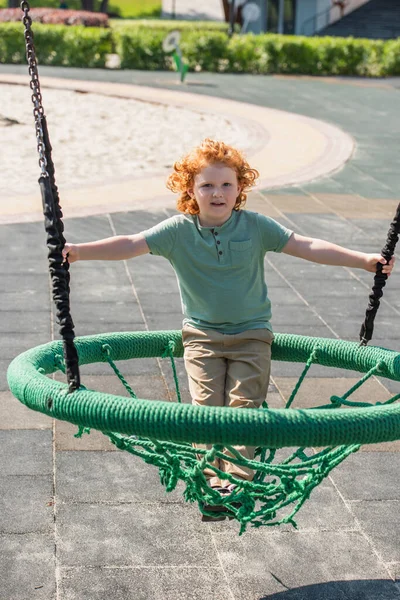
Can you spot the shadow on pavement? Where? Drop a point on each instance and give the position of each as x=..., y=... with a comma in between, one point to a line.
x=368, y=589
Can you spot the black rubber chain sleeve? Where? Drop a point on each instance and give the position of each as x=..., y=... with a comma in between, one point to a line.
x=367, y=328
x=59, y=271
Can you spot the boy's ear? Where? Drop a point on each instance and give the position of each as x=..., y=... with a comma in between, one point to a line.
x=191, y=192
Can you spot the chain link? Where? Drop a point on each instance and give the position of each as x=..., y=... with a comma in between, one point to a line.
x=38, y=112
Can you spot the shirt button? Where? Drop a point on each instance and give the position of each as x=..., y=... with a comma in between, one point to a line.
x=220, y=252
x=218, y=242
x=215, y=232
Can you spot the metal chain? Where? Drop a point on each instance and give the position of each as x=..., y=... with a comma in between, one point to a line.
x=38, y=111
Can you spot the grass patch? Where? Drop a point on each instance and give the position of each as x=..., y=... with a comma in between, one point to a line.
x=133, y=9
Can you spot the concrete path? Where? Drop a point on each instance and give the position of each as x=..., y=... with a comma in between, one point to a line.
x=207, y=10
x=81, y=520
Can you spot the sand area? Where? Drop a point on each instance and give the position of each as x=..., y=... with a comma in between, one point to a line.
x=100, y=139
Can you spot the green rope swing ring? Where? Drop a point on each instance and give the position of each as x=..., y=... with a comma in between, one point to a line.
x=162, y=433
x=295, y=448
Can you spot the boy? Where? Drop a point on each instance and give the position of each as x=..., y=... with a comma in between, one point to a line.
x=217, y=250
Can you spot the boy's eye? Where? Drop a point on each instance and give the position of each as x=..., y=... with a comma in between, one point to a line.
x=227, y=184
x=206, y=185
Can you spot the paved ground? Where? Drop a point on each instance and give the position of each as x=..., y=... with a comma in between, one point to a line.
x=80, y=520
x=208, y=10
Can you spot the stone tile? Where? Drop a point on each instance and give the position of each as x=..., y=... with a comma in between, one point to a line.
x=354, y=206
x=27, y=567
x=30, y=511
x=261, y=204
x=15, y=415
x=174, y=583
x=31, y=299
x=381, y=526
x=65, y=439
x=110, y=477
x=317, y=391
x=324, y=511
x=15, y=343
x=103, y=312
x=26, y=452
x=293, y=204
x=25, y=322
x=262, y=563
x=368, y=589
x=30, y=283
x=133, y=535
x=369, y=476
x=291, y=315
x=83, y=327
x=137, y=366
x=164, y=322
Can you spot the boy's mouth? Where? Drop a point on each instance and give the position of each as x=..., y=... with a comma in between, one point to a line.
x=217, y=203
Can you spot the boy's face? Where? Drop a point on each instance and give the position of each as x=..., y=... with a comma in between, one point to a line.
x=215, y=190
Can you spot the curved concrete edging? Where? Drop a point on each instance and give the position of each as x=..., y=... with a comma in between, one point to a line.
x=293, y=149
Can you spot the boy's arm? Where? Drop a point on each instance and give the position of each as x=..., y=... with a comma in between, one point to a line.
x=119, y=247
x=325, y=253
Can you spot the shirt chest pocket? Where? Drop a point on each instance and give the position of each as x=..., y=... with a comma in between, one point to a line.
x=240, y=252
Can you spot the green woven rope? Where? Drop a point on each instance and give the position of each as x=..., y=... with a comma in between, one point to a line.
x=186, y=423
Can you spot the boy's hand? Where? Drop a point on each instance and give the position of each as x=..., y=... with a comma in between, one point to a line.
x=373, y=259
x=70, y=251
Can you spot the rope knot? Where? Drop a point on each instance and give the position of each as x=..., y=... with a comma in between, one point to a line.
x=336, y=400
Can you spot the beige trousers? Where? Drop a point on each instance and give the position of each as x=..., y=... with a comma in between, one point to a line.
x=228, y=370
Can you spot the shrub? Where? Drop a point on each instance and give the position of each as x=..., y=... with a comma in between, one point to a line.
x=391, y=58
x=141, y=49
x=167, y=25
x=56, y=16
x=57, y=45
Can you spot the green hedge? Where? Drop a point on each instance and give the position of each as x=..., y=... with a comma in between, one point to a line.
x=139, y=45
x=57, y=45
x=167, y=25
x=264, y=54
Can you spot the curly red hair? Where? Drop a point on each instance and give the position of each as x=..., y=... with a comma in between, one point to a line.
x=209, y=152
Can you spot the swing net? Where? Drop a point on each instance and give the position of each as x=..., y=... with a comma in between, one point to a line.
x=295, y=448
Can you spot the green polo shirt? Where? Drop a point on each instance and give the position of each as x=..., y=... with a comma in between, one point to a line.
x=220, y=270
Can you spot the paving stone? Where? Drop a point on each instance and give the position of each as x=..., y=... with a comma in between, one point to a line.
x=164, y=322
x=16, y=343
x=103, y=312
x=379, y=521
x=137, y=366
x=85, y=327
x=133, y=535
x=25, y=282
x=25, y=300
x=110, y=477
x=26, y=503
x=259, y=565
x=174, y=583
x=27, y=452
x=27, y=567
x=291, y=315
x=292, y=204
x=317, y=391
x=378, y=589
x=64, y=438
x=25, y=321
x=167, y=302
x=15, y=415
x=369, y=476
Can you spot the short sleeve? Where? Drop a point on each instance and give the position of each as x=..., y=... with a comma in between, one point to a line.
x=274, y=236
x=161, y=238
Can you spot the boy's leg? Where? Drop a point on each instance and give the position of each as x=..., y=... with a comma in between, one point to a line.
x=247, y=379
x=206, y=370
